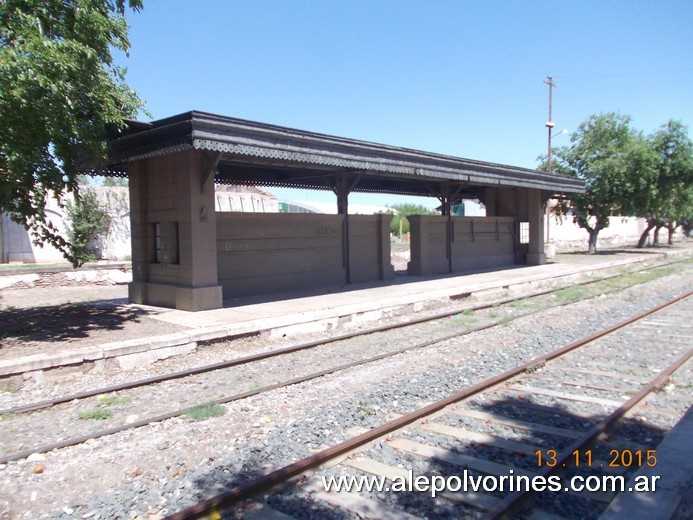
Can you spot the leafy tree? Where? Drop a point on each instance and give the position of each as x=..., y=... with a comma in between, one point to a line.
x=89, y=221
x=115, y=182
x=400, y=213
x=665, y=197
x=608, y=154
x=60, y=92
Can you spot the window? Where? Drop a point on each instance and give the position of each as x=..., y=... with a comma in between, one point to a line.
x=524, y=232
x=157, y=242
x=166, y=243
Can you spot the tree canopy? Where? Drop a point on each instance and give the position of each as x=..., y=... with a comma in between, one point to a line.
x=627, y=173
x=60, y=92
x=664, y=194
x=400, y=213
x=607, y=153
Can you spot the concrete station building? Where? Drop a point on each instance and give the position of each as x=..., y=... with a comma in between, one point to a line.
x=187, y=256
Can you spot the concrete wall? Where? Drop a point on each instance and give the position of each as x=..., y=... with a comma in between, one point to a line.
x=267, y=253
x=175, y=193
x=17, y=243
x=566, y=235
x=249, y=199
x=477, y=243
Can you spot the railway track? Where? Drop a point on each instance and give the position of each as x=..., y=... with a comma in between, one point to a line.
x=180, y=374
x=568, y=416
x=383, y=347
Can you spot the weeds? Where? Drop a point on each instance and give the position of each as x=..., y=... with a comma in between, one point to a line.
x=364, y=409
x=204, y=411
x=113, y=400
x=95, y=415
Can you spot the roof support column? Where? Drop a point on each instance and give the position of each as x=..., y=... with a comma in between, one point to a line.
x=174, y=239
x=445, y=199
x=343, y=186
x=536, y=213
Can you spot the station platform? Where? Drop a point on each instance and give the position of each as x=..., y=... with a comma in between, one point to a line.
x=672, y=498
x=305, y=312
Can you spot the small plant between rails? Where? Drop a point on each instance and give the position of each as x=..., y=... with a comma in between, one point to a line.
x=464, y=313
x=349, y=453
x=565, y=295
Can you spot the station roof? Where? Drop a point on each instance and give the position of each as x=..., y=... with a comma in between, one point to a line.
x=252, y=153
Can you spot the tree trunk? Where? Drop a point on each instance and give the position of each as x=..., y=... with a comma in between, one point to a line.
x=671, y=229
x=593, y=240
x=655, y=238
x=645, y=234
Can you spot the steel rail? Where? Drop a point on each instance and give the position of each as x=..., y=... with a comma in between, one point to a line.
x=590, y=436
x=72, y=441
x=171, y=376
x=281, y=475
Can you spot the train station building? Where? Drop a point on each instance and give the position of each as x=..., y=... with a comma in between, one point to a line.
x=189, y=257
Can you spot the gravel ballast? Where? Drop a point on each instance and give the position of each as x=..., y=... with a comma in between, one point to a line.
x=163, y=467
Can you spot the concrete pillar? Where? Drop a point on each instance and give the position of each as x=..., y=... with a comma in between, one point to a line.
x=420, y=261
x=535, y=210
x=138, y=232
x=197, y=226
x=490, y=201
x=173, y=225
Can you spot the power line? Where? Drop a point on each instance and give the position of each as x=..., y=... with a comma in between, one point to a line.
x=627, y=75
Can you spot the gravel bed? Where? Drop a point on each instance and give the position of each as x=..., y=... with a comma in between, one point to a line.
x=163, y=467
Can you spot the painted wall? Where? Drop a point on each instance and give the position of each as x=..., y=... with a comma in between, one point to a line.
x=478, y=243
x=269, y=253
x=17, y=242
x=566, y=235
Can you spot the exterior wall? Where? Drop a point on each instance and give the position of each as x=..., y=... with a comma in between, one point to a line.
x=245, y=199
x=477, y=243
x=566, y=235
x=168, y=196
x=369, y=245
x=268, y=253
x=17, y=243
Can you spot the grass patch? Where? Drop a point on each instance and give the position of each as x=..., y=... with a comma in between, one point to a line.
x=95, y=415
x=113, y=400
x=10, y=388
x=204, y=411
x=570, y=294
x=365, y=409
x=462, y=320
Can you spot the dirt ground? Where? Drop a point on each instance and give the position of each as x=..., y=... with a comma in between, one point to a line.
x=44, y=320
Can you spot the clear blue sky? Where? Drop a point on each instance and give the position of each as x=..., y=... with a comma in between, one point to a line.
x=457, y=77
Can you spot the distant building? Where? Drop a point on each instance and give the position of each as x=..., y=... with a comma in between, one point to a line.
x=17, y=244
x=329, y=208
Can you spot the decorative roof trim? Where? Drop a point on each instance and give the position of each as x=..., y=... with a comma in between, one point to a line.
x=237, y=139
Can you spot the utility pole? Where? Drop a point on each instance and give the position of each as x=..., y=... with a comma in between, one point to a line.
x=549, y=124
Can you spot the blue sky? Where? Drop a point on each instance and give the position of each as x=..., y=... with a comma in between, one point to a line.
x=457, y=77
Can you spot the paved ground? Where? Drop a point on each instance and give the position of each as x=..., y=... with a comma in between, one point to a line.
x=66, y=323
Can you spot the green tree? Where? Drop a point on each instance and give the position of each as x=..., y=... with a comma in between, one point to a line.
x=607, y=154
x=89, y=221
x=665, y=196
x=60, y=93
x=118, y=182
x=400, y=213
